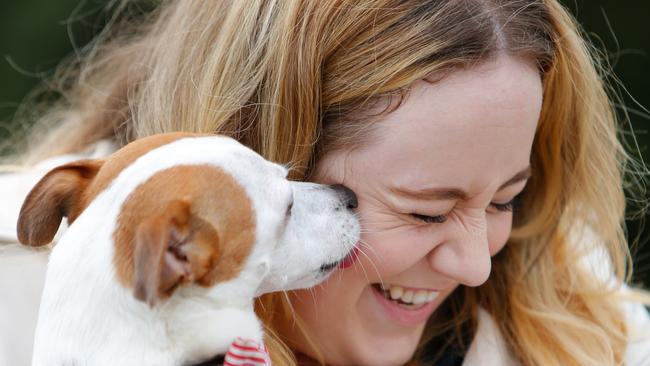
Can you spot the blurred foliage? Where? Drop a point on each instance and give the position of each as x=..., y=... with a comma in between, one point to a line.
x=619, y=29
x=36, y=34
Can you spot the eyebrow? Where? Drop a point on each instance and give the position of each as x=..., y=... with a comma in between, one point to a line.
x=450, y=193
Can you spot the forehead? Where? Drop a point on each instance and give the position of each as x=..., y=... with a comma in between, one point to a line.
x=480, y=121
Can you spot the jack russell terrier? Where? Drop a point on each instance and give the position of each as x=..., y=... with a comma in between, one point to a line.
x=170, y=240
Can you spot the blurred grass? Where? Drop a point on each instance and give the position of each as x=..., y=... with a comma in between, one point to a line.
x=36, y=34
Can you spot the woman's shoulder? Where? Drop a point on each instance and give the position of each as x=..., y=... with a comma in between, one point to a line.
x=638, y=327
x=596, y=261
x=489, y=347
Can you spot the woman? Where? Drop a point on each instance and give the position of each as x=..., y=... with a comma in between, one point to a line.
x=447, y=118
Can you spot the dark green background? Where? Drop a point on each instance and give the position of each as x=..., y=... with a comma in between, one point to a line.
x=36, y=34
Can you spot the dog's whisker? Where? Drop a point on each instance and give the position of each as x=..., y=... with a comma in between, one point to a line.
x=365, y=274
x=262, y=305
x=365, y=245
x=363, y=268
x=372, y=227
x=339, y=276
x=373, y=265
x=362, y=232
x=290, y=304
x=370, y=260
x=362, y=247
x=382, y=221
x=313, y=298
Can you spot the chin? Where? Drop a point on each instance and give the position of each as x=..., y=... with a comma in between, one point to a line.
x=389, y=352
x=385, y=352
x=383, y=359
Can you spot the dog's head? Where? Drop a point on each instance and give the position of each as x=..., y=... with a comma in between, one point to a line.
x=197, y=210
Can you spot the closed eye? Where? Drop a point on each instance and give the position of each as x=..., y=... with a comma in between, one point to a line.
x=504, y=207
x=509, y=206
x=438, y=219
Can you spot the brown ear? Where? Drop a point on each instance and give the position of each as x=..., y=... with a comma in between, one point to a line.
x=171, y=249
x=58, y=194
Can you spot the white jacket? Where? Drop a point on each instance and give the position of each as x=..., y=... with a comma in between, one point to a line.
x=22, y=274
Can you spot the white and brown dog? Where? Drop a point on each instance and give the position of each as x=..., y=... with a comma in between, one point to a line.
x=171, y=238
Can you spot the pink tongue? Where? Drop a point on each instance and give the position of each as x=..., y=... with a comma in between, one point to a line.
x=349, y=259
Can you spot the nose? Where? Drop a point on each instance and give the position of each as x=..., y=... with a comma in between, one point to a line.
x=348, y=196
x=465, y=254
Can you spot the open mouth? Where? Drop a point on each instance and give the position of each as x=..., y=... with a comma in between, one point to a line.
x=407, y=299
x=328, y=267
x=346, y=262
x=349, y=259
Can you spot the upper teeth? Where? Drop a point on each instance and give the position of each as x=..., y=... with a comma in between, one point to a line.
x=415, y=297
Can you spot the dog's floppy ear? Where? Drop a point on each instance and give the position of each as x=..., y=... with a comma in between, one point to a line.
x=172, y=248
x=58, y=194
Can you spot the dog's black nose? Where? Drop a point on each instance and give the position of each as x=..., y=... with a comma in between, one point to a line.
x=349, y=198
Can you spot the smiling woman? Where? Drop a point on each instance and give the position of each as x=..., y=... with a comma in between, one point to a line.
x=435, y=189
x=477, y=135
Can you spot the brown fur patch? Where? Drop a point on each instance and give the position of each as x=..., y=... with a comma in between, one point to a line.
x=67, y=190
x=55, y=196
x=215, y=198
x=122, y=158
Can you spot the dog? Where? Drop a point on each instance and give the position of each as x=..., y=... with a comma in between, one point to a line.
x=170, y=240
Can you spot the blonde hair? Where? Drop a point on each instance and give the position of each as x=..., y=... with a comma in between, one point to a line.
x=284, y=77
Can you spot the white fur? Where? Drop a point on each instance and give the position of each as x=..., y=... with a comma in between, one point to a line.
x=87, y=317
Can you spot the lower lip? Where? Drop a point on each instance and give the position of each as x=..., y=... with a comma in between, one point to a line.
x=349, y=259
x=405, y=316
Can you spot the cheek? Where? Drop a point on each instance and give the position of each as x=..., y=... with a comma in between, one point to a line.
x=392, y=251
x=499, y=228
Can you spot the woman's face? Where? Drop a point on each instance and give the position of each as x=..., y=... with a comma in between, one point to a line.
x=435, y=186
